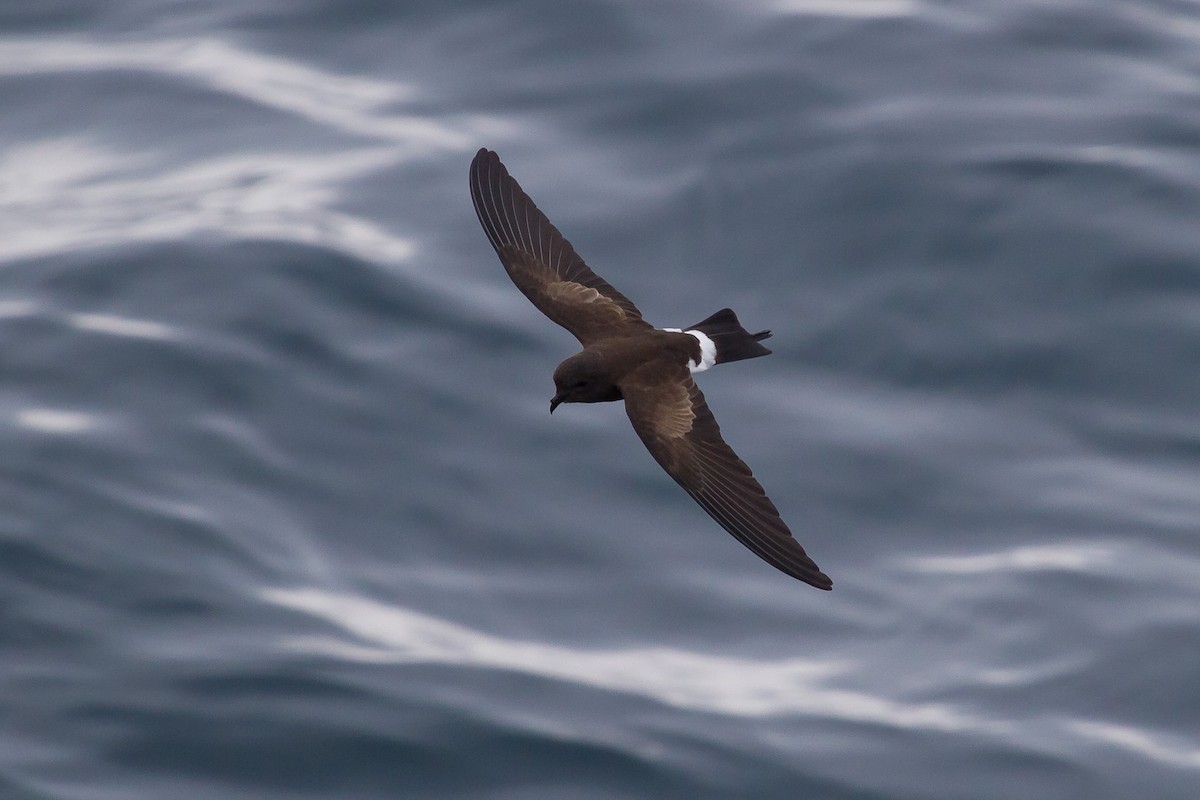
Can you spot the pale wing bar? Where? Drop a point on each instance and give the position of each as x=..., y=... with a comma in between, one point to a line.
x=707, y=468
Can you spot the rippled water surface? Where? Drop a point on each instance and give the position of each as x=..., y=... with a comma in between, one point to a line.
x=282, y=514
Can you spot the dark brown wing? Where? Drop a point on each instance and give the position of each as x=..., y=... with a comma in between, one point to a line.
x=670, y=415
x=542, y=263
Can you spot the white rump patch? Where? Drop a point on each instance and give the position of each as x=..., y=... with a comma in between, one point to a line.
x=708, y=350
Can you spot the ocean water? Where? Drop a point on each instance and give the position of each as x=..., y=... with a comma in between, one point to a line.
x=282, y=513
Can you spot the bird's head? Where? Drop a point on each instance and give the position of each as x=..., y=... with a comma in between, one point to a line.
x=581, y=379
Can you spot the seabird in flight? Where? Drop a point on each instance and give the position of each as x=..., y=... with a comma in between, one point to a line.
x=626, y=358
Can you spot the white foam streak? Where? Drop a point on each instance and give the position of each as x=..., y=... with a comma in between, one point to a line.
x=861, y=9
x=121, y=326
x=93, y=197
x=372, y=632
x=12, y=309
x=54, y=421
x=73, y=192
x=724, y=685
x=350, y=104
x=1034, y=558
x=1165, y=750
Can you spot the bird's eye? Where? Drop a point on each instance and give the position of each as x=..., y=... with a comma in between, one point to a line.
x=581, y=384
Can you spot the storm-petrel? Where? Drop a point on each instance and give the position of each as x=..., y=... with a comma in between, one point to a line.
x=625, y=358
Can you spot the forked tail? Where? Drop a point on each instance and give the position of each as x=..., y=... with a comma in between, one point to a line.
x=733, y=342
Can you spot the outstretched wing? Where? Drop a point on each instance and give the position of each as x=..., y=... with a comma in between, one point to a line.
x=542, y=263
x=673, y=420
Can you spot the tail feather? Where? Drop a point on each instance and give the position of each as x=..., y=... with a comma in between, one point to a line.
x=733, y=342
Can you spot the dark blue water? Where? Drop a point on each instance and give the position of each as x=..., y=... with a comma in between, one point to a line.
x=282, y=513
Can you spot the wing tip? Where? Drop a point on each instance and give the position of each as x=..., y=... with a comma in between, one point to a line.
x=809, y=573
x=820, y=581
x=484, y=158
